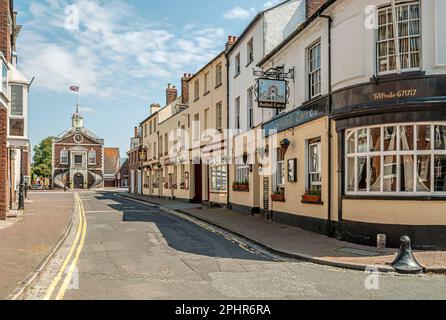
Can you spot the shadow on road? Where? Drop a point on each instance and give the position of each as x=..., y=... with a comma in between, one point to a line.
x=180, y=234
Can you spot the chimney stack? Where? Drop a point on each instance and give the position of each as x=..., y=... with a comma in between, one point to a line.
x=185, y=88
x=230, y=43
x=171, y=94
x=136, y=132
x=154, y=107
x=312, y=6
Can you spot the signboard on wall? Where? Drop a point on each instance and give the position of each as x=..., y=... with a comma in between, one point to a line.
x=272, y=93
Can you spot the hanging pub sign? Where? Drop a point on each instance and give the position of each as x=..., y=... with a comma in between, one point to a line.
x=272, y=93
x=272, y=90
x=142, y=154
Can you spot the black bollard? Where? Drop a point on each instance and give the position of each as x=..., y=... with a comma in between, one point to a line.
x=405, y=262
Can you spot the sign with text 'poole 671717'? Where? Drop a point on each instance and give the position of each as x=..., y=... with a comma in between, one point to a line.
x=272, y=93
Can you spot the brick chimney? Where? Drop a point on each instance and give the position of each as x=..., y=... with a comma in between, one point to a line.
x=230, y=43
x=171, y=94
x=136, y=134
x=185, y=88
x=154, y=107
x=312, y=6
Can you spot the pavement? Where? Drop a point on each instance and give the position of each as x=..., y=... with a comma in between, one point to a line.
x=297, y=243
x=27, y=241
x=136, y=250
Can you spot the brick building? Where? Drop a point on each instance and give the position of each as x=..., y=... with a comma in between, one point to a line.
x=78, y=157
x=134, y=163
x=112, y=164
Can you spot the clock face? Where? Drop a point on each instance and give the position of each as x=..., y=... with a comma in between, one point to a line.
x=78, y=138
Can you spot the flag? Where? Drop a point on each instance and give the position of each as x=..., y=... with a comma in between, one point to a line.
x=74, y=88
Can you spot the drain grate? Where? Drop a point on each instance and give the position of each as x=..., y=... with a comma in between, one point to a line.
x=358, y=252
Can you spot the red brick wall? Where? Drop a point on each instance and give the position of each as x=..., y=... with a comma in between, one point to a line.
x=5, y=35
x=3, y=165
x=58, y=147
x=313, y=6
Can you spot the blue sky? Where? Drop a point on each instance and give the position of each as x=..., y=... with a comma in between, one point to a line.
x=121, y=53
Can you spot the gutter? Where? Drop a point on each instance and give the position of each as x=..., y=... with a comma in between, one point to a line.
x=228, y=199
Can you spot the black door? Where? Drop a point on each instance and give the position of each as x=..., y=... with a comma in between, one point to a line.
x=198, y=184
x=78, y=181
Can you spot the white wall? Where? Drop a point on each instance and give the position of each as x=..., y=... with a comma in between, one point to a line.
x=271, y=29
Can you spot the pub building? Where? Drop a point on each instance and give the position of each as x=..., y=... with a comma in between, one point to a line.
x=362, y=137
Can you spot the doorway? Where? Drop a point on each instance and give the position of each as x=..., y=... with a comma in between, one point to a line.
x=198, y=198
x=78, y=181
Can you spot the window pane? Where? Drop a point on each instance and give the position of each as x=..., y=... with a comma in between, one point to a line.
x=440, y=138
x=16, y=100
x=351, y=141
x=424, y=137
x=16, y=127
x=407, y=136
x=406, y=170
x=362, y=140
x=390, y=177
x=375, y=174
x=424, y=173
x=375, y=139
x=351, y=174
x=440, y=174
x=362, y=174
x=390, y=134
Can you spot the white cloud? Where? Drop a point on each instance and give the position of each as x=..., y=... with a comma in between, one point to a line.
x=271, y=3
x=113, y=52
x=239, y=13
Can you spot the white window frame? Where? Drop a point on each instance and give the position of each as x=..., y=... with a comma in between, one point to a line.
x=237, y=113
x=4, y=76
x=237, y=64
x=242, y=173
x=90, y=153
x=219, y=116
x=197, y=89
x=399, y=154
x=215, y=172
x=250, y=51
x=21, y=88
x=312, y=183
x=250, y=104
x=398, y=67
x=219, y=74
x=64, y=154
x=314, y=70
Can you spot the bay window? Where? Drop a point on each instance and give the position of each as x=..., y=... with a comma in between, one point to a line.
x=16, y=100
x=399, y=38
x=17, y=127
x=219, y=178
x=403, y=159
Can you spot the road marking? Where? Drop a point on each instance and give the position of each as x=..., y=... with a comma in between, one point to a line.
x=58, y=276
x=69, y=276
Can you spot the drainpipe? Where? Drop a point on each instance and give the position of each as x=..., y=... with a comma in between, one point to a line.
x=227, y=136
x=330, y=153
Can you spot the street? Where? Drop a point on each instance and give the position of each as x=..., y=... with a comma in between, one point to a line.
x=132, y=250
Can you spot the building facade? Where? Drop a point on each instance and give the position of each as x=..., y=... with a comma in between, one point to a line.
x=78, y=158
x=134, y=163
x=365, y=123
x=112, y=164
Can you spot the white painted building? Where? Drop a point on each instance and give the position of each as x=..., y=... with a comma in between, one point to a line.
x=266, y=31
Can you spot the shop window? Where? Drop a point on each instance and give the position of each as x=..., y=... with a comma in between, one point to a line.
x=242, y=173
x=399, y=38
x=314, y=165
x=314, y=70
x=17, y=127
x=400, y=159
x=219, y=178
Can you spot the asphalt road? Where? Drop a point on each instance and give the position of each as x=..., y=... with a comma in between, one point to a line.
x=136, y=251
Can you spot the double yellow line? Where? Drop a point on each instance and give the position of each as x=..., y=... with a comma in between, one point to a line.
x=65, y=274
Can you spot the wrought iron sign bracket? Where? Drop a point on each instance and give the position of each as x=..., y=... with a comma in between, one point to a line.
x=277, y=73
